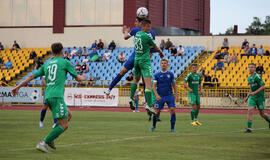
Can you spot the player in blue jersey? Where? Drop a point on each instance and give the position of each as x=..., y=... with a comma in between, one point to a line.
x=130, y=62
x=163, y=83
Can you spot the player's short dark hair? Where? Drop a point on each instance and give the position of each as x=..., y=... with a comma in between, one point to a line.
x=145, y=22
x=165, y=59
x=252, y=64
x=139, y=19
x=194, y=65
x=57, y=48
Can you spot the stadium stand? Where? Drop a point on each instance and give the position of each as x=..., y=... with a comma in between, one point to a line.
x=106, y=70
x=236, y=74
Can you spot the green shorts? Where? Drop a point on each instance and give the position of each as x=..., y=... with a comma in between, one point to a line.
x=256, y=102
x=143, y=68
x=58, y=107
x=194, y=98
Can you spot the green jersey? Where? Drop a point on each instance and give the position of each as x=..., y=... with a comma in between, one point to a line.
x=55, y=72
x=255, y=83
x=193, y=82
x=142, y=42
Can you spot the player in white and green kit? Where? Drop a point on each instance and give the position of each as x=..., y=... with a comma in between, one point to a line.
x=55, y=72
x=256, y=96
x=142, y=63
x=194, y=82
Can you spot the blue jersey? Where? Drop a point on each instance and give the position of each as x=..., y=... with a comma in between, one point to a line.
x=137, y=29
x=164, y=82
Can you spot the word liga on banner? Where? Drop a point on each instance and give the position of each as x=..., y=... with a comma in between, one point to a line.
x=90, y=97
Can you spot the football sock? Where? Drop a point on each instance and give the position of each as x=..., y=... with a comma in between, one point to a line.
x=56, y=131
x=133, y=89
x=55, y=121
x=148, y=94
x=42, y=114
x=154, y=120
x=173, y=118
x=249, y=123
x=196, y=113
x=192, y=114
x=115, y=81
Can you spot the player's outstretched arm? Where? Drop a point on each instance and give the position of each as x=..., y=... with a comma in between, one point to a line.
x=80, y=78
x=126, y=31
x=257, y=91
x=175, y=91
x=158, y=98
x=16, y=89
x=159, y=51
x=186, y=86
x=246, y=99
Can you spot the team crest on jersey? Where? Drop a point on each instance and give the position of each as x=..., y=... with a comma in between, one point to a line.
x=168, y=76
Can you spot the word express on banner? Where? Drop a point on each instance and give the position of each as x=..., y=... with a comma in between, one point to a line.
x=90, y=97
x=26, y=94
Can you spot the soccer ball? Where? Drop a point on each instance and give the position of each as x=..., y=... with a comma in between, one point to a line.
x=142, y=12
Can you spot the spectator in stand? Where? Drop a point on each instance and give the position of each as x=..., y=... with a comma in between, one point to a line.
x=1, y=46
x=224, y=53
x=227, y=59
x=15, y=46
x=106, y=56
x=73, y=52
x=91, y=80
x=217, y=55
x=85, y=52
x=261, y=51
x=1, y=63
x=253, y=50
x=66, y=55
x=219, y=66
x=225, y=44
x=112, y=45
x=39, y=63
x=162, y=44
x=100, y=44
x=260, y=69
x=8, y=64
x=121, y=58
x=234, y=58
x=168, y=44
x=129, y=78
x=202, y=72
x=267, y=53
x=32, y=55
x=94, y=45
x=69, y=51
x=79, y=52
x=244, y=44
x=173, y=51
x=84, y=67
x=78, y=67
x=180, y=51
x=207, y=80
x=247, y=51
x=93, y=55
x=215, y=81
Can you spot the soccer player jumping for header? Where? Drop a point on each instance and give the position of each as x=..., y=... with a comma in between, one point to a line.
x=194, y=82
x=163, y=83
x=256, y=97
x=55, y=72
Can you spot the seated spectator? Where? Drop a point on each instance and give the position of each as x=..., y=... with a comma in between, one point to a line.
x=1, y=62
x=93, y=55
x=261, y=51
x=219, y=66
x=84, y=67
x=225, y=44
x=69, y=51
x=202, y=72
x=234, y=58
x=66, y=55
x=129, y=78
x=162, y=44
x=39, y=63
x=85, y=52
x=168, y=44
x=94, y=45
x=15, y=46
x=91, y=80
x=33, y=54
x=173, y=51
x=8, y=64
x=79, y=52
x=224, y=53
x=247, y=51
x=73, y=52
x=217, y=55
x=215, y=81
x=207, y=80
x=112, y=45
x=121, y=58
x=106, y=56
x=180, y=51
x=78, y=67
x=1, y=46
x=259, y=69
x=267, y=53
x=253, y=50
x=227, y=59
x=244, y=44
x=100, y=44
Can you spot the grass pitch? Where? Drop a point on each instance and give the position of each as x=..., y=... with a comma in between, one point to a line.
x=126, y=136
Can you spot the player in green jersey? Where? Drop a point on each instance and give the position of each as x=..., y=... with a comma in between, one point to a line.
x=194, y=82
x=142, y=63
x=55, y=72
x=255, y=97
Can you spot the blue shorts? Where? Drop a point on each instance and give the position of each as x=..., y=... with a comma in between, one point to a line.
x=165, y=99
x=129, y=65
